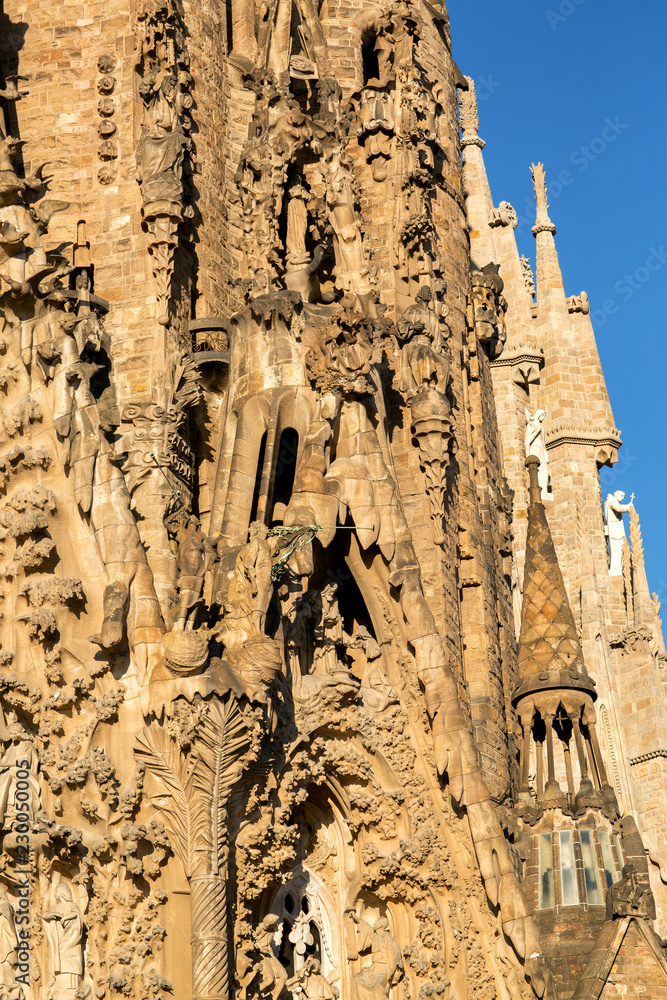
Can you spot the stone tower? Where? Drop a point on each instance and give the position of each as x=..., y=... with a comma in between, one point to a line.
x=267, y=353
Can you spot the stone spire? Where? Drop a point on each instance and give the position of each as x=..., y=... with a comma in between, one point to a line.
x=641, y=597
x=551, y=298
x=554, y=695
x=549, y=650
x=476, y=189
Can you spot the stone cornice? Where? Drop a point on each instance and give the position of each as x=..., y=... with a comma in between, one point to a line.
x=584, y=435
x=522, y=354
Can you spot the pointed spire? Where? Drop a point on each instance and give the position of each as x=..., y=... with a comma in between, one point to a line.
x=551, y=300
x=542, y=221
x=476, y=189
x=469, y=116
x=643, y=605
x=549, y=650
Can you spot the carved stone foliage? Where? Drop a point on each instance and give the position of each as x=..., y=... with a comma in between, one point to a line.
x=273, y=767
x=192, y=772
x=77, y=874
x=165, y=149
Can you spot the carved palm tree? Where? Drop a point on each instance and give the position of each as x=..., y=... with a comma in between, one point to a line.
x=196, y=789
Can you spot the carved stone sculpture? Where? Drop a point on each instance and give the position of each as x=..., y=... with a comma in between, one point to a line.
x=375, y=113
x=614, y=509
x=432, y=428
x=20, y=755
x=424, y=381
x=63, y=925
x=352, y=271
x=377, y=693
x=386, y=962
x=536, y=445
x=164, y=90
x=273, y=976
x=310, y=984
x=489, y=307
x=248, y=650
x=628, y=898
x=8, y=941
x=195, y=556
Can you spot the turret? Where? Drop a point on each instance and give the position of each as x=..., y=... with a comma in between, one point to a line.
x=566, y=808
x=554, y=693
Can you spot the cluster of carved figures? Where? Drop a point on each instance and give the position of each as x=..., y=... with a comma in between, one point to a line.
x=303, y=773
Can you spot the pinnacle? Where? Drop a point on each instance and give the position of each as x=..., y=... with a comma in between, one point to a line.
x=549, y=649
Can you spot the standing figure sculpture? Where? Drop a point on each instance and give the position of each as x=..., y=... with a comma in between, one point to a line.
x=351, y=270
x=8, y=942
x=386, y=969
x=297, y=225
x=273, y=973
x=159, y=154
x=195, y=556
x=20, y=754
x=159, y=159
x=536, y=445
x=614, y=509
x=310, y=984
x=63, y=926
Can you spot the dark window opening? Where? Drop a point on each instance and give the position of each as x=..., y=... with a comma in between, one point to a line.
x=229, y=23
x=258, y=479
x=369, y=59
x=283, y=482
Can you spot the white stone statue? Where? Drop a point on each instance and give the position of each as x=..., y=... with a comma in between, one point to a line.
x=614, y=509
x=63, y=925
x=536, y=445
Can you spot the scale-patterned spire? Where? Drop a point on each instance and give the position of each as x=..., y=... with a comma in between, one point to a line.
x=549, y=649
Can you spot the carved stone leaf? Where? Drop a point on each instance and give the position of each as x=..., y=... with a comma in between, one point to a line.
x=163, y=758
x=222, y=743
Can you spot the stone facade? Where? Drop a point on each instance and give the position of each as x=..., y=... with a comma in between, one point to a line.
x=289, y=642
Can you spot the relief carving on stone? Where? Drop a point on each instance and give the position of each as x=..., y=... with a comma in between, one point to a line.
x=303, y=800
x=165, y=149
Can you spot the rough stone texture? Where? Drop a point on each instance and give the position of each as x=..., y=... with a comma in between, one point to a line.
x=263, y=521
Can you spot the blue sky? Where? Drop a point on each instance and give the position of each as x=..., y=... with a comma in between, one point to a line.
x=580, y=85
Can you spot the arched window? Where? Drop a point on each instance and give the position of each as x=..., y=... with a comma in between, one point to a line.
x=283, y=482
x=308, y=924
x=258, y=479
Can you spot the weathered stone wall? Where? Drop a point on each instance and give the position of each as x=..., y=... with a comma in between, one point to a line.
x=635, y=970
